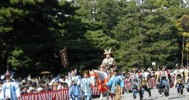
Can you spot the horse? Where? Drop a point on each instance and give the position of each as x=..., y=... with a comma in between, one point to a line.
x=100, y=78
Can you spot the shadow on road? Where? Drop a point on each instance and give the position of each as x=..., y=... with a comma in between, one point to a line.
x=177, y=97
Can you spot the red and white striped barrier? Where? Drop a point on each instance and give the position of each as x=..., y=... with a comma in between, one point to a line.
x=48, y=95
x=52, y=95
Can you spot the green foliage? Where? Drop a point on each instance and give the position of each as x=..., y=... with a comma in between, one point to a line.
x=148, y=35
x=32, y=32
x=183, y=24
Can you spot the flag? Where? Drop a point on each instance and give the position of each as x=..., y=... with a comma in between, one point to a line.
x=64, y=57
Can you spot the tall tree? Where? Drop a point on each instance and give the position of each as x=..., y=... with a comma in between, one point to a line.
x=148, y=34
x=30, y=33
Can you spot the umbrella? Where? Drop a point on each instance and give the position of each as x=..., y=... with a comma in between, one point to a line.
x=45, y=72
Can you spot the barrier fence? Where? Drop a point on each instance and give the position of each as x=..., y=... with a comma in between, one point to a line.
x=48, y=95
x=64, y=93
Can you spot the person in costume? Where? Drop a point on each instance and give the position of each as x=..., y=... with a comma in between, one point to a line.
x=108, y=61
x=116, y=84
x=86, y=84
x=74, y=89
x=73, y=77
x=10, y=88
x=135, y=83
x=186, y=71
x=187, y=85
x=179, y=79
x=144, y=84
x=164, y=81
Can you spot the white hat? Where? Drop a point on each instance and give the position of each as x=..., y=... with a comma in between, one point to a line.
x=50, y=83
x=39, y=89
x=106, y=52
x=31, y=88
x=2, y=76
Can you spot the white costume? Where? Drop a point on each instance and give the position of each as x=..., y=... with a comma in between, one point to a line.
x=108, y=61
x=178, y=72
x=186, y=71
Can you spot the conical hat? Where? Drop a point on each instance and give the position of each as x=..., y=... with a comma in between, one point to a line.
x=8, y=73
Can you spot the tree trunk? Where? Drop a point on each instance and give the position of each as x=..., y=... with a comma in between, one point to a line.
x=182, y=59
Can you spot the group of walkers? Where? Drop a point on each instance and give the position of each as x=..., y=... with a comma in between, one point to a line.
x=164, y=79
x=109, y=80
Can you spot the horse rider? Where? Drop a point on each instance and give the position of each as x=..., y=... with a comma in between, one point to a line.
x=108, y=61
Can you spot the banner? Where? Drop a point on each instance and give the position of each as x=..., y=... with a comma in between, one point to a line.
x=64, y=57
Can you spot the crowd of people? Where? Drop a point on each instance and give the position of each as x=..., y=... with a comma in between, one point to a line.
x=113, y=83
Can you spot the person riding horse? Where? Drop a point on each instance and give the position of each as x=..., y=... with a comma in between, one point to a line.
x=108, y=61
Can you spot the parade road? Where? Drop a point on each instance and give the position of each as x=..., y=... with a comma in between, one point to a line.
x=156, y=96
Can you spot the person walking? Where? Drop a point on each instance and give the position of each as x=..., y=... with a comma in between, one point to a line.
x=86, y=84
x=116, y=84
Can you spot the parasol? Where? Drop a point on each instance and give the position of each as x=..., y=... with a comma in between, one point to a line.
x=45, y=72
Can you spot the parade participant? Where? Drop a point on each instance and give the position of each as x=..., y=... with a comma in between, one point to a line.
x=186, y=71
x=144, y=85
x=127, y=82
x=72, y=76
x=187, y=85
x=135, y=75
x=135, y=83
x=10, y=88
x=108, y=61
x=116, y=85
x=179, y=79
x=157, y=74
x=86, y=84
x=74, y=90
x=163, y=82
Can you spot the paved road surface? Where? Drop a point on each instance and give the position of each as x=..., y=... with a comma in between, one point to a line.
x=156, y=96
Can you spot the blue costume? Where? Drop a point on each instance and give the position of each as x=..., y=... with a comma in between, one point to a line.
x=86, y=89
x=14, y=90
x=74, y=90
x=135, y=85
x=115, y=80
